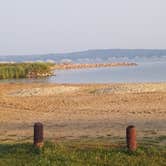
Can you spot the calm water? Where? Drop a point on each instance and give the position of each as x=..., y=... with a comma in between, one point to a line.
x=151, y=66
x=144, y=72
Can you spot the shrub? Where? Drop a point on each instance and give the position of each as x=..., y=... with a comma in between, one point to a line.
x=21, y=70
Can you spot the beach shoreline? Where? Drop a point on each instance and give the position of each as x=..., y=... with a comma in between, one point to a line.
x=74, y=111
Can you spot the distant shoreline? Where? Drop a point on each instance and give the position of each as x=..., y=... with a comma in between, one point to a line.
x=96, y=65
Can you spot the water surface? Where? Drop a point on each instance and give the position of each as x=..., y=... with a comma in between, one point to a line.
x=147, y=71
x=144, y=72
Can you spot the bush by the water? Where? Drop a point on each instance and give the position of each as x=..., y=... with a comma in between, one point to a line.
x=23, y=70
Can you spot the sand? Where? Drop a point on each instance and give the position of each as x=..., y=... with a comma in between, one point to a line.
x=82, y=111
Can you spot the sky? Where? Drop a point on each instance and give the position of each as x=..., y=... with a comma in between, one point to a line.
x=55, y=26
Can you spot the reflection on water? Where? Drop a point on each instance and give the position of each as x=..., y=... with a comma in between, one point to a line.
x=144, y=72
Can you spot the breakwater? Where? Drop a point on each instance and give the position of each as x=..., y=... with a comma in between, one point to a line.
x=96, y=65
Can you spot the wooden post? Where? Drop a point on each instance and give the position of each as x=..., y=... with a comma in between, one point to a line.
x=131, y=138
x=38, y=135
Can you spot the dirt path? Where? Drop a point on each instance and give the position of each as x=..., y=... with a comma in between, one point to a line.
x=82, y=111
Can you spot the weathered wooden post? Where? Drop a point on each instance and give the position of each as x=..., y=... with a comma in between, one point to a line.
x=131, y=138
x=38, y=135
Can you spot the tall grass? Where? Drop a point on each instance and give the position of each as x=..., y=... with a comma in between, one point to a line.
x=22, y=70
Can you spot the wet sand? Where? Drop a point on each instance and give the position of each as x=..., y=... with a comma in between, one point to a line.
x=82, y=111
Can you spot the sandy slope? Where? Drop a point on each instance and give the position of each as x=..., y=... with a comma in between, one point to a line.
x=74, y=111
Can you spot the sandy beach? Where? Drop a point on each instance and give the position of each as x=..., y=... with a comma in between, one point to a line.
x=81, y=111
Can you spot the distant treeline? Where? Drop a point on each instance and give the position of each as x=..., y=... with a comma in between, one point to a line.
x=24, y=70
x=88, y=56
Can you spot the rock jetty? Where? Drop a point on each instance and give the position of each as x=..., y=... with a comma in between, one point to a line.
x=96, y=65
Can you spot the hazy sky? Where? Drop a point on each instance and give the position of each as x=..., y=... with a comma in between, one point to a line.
x=51, y=26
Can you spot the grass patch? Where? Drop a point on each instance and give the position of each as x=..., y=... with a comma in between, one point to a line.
x=66, y=154
x=24, y=70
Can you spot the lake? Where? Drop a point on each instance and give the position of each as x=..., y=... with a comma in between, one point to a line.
x=151, y=66
x=144, y=72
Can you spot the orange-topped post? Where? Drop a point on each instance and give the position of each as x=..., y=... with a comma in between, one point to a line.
x=131, y=138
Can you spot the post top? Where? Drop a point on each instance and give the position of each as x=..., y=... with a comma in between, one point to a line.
x=38, y=124
x=130, y=127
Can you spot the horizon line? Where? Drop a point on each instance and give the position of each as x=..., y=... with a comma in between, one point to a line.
x=86, y=50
